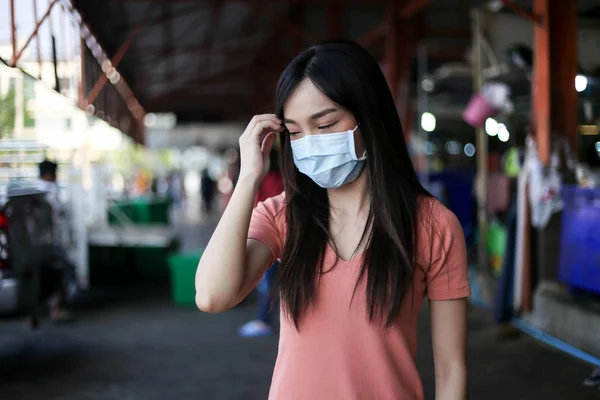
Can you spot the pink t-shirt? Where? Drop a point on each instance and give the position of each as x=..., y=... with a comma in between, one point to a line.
x=338, y=354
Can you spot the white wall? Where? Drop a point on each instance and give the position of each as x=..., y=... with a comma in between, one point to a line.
x=212, y=136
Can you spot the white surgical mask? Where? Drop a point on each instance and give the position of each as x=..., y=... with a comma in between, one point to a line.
x=328, y=159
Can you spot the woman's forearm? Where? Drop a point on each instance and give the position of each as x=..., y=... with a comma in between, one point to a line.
x=451, y=384
x=221, y=272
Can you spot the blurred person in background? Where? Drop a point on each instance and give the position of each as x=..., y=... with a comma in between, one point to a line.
x=154, y=185
x=57, y=276
x=176, y=188
x=142, y=182
x=271, y=186
x=231, y=176
x=208, y=188
x=361, y=242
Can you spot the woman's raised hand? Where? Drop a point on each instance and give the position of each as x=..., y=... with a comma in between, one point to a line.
x=255, y=145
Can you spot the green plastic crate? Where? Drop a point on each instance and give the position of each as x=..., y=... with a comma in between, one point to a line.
x=126, y=209
x=142, y=211
x=183, y=272
x=159, y=212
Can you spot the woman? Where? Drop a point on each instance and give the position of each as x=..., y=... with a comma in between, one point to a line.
x=361, y=243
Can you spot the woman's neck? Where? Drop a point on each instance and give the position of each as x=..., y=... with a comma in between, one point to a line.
x=352, y=199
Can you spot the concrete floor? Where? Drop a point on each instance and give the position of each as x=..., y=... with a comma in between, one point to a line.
x=138, y=346
x=134, y=345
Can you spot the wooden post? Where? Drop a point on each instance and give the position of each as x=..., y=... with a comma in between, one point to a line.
x=481, y=140
x=541, y=80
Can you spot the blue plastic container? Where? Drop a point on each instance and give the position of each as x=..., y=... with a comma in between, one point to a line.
x=458, y=196
x=579, y=263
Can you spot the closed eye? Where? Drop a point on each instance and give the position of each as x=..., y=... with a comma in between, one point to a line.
x=322, y=127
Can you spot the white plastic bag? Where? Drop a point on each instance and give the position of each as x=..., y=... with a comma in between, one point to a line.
x=497, y=94
x=544, y=186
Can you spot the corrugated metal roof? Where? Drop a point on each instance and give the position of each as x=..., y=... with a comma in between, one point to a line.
x=200, y=59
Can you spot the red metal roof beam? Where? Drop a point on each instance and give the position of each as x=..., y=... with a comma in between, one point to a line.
x=412, y=7
x=17, y=55
x=536, y=19
x=122, y=88
x=114, y=63
x=405, y=11
x=372, y=35
x=137, y=112
x=289, y=28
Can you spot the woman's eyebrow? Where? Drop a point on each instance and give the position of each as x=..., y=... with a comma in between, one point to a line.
x=316, y=115
x=323, y=113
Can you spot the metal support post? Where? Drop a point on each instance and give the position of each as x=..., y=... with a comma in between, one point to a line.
x=481, y=144
x=37, y=41
x=13, y=29
x=422, y=107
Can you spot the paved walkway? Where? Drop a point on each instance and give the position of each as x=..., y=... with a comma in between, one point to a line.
x=139, y=347
x=136, y=346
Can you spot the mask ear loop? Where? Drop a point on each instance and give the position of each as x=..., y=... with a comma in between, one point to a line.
x=353, y=148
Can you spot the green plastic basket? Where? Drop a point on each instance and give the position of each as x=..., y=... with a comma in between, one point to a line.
x=183, y=272
x=159, y=212
x=142, y=211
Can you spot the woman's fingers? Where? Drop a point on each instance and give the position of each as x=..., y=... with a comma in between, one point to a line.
x=263, y=120
x=263, y=127
x=256, y=141
x=267, y=143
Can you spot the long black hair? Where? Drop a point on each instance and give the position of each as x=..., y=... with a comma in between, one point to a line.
x=348, y=74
